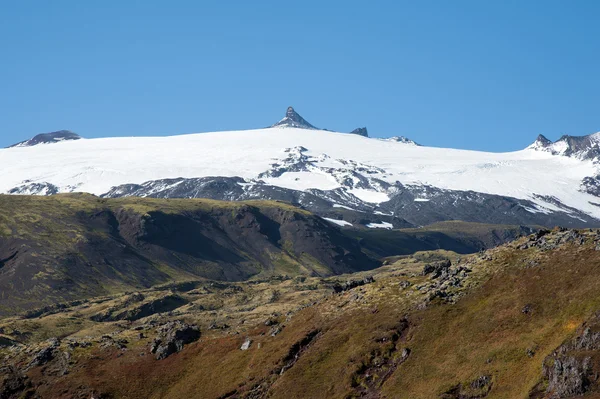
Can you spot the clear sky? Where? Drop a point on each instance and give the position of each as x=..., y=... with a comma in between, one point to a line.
x=486, y=75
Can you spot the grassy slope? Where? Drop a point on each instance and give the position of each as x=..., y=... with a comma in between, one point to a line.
x=66, y=251
x=457, y=236
x=484, y=333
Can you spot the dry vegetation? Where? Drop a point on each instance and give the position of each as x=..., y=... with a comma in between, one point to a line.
x=482, y=327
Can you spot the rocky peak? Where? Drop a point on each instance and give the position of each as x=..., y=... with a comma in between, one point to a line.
x=581, y=147
x=540, y=142
x=48, y=138
x=293, y=119
x=361, y=131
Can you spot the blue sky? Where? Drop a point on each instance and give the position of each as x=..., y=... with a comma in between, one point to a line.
x=485, y=75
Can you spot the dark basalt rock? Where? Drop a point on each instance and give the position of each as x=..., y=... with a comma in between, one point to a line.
x=582, y=147
x=361, y=131
x=403, y=209
x=436, y=268
x=573, y=369
x=591, y=185
x=350, y=284
x=30, y=188
x=541, y=141
x=48, y=138
x=293, y=119
x=43, y=356
x=12, y=382
x=172, y=337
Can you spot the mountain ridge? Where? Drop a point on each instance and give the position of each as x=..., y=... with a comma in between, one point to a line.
x=48, y=138
x=351, y=178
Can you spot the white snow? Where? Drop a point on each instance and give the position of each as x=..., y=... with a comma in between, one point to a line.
x=369, y=195
x=382, y=225
x=338, y=222
x=342, y=206
x=383, y=214
x=96, y=165
x=303, y=181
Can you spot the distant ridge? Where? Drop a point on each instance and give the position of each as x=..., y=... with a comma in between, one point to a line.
x=293, y=119
x=48, y=138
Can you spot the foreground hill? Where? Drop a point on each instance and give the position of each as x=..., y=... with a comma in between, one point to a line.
x=364, y=181
x=517, y=321
x=69, y=247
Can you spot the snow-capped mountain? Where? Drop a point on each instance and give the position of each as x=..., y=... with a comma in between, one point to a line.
x=48, y=138
x=582, y=147
x=340, y=176
x=361, y=131
x=293, y=119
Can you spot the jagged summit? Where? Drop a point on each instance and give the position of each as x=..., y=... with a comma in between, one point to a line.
x=582, y=147
x=361, y=131
x=48, y=138
x=540, y=143
x=293, y=119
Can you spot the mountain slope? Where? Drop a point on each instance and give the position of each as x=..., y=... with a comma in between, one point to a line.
x=518, y=321
x=69, y=247
x=48, y=138
x=381, y=181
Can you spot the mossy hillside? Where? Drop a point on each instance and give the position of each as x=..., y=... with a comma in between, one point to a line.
x=387, y=338
x=456, y=236
x=72, y=246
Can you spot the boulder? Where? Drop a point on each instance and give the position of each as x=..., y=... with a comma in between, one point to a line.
x=172, y=337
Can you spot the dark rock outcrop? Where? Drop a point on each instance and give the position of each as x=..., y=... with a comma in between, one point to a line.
x=573, y=369
x=582, y=147
x=172, y=337
x=350, y=284
x=30, y=188
x=361, y=131
x=293, y=119
x=12, y=382
x=46, y=354
x=436, y=269
x=48, y=138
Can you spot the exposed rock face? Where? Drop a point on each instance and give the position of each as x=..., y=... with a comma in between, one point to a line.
x=540, y=142
x=574, y=369
x=445, y=278
x=582, y=147
x=436, y=268
x=350, y=284
x=408, y=205
x=29, y=188
x=12, y=382
x=547, y=242
x=591, y=185
x=48, y=138
x=361, y=131
x=172, y=337
x=293, y=119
